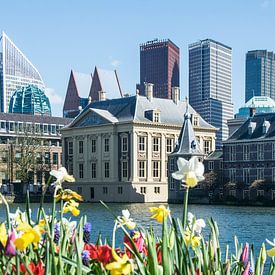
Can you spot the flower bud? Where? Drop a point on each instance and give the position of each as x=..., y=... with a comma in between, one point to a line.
x=245, y=254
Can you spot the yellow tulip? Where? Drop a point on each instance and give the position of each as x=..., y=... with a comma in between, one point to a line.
x=120, y=265
x=159, y=213
x=3, y=235
x=30, y=235
x=72, y=207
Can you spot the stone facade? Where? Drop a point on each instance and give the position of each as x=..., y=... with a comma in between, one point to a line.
x=118, y=149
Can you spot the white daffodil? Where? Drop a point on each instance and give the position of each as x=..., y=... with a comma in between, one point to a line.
x=190, y=172
x=69, y=226
x=126, y=220
x=61, y=175
x=196, y=224
x=18, y=217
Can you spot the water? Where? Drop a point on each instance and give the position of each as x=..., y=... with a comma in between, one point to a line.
x=250, y=224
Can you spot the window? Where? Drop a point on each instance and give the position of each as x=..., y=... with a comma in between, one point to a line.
x=55, y=158
x=260, y=151
x=119, y=190
x=11, y=128
x=245, y=152
x=47, y=158
x=124, y=144
x=211, y=165
x=45, y=128
x=232, y=153
x=157, y=190
x=107, y=169
x=273, y=174
x=246, y=175
x=172, y=164
x=260, y=173
x=141, y=169
x=54, y=129
x=81, y=175
x=172, y=183
x=156, y=144
x=260, y=193
x=92, y=192
x=93, y=170
x=105, y=190
x=70, y=168
x=143, y=190
x=195, y=121
x=70, y=148
x=93, y=145
x=169, y=145
x=232, y=193
x=156, y=169
x=246, y=194
x=273, y=194
x=79, y=190
x=124, y=169
x=207, y=146
x=141, y=144
x=273, y=151
x=232, y=175
x=156, y=116
x=106, y=145
x=80, y=147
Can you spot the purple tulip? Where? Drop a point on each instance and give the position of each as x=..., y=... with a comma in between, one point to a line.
x=245, y=254
x=10, y=249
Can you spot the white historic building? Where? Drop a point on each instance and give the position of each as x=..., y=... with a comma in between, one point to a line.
x=118, y=149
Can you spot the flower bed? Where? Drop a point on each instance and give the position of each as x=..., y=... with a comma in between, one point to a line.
x=52, y=244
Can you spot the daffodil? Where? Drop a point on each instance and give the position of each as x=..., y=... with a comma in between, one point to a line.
x=29, y=235
x=3, y=234
x=126, y=220
x=190, y=172
x=120, y=265
x=159, y=213
x=72, y=207
x=191, y=239
x=18, y=217
x=196, y=224
x=61, y=175
x=67, y=195
x=271, y=252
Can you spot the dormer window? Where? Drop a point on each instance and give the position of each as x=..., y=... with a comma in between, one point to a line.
x=251, y=127
x=266, y=126
x=195, y=120
x=156, y=116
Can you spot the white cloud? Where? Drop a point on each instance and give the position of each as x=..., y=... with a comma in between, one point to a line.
x=54, y=98
x=115, y=63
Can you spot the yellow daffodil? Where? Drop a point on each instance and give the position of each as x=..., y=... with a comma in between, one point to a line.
x=67, y=195
x=191, y=239
x=126, y=220
x=271, y=252
x=72, y=207
x=61, y=175
x=190, y=172
x=159, y=213
x=29, y=235
x=120, y=265
x=3, y=235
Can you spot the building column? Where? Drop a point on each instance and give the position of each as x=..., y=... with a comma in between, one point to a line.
x=134, y=148
x=75, y=157
x=113, y=160
x=99, y=164
x=149, y=157
x=86, y=170
x=163, y=158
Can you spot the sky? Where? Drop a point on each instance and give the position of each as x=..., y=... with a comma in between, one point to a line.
x=58, y=36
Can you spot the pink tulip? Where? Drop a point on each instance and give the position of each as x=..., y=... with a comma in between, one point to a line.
x=246, y=271
x=245, y=254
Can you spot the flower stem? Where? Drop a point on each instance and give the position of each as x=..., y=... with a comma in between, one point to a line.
x=185, y=203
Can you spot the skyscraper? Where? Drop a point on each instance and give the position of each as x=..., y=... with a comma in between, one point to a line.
x=16, y=71
x=210, y=68
x=159, y=65
x=260, y=74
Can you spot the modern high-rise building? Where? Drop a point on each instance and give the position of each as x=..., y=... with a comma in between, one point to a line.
x=16, y=71
x=260, y=74
x=210, y=81
x=159, y=65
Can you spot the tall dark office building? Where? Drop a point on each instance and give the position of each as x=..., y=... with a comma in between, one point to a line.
x=159, y=64
x=260, y=74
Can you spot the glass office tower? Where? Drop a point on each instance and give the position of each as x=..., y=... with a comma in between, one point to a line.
x=260, y=74
x=210, y=81
x=16, y=71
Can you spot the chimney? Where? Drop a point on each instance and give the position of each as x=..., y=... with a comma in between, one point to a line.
x=89, y=100
x=149, y=90
x=101, y=96
x=175, y=94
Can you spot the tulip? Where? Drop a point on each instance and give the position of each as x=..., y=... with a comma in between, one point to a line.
x=245, y=254
x=10, y=247
x=246, y=270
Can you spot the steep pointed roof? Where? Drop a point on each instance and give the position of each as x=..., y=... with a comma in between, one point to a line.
x=83, y=83
x=187, y=142
x=107, y=81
